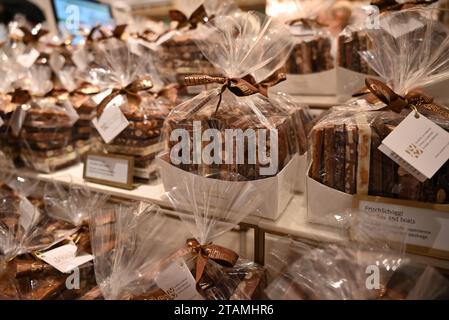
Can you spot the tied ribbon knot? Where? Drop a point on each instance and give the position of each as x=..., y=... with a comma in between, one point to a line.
x=220, y=255
x=32, y=36
x=395, y=102
x=393, y=5
x=241, y=87
x=197, y=17
x=131, y=91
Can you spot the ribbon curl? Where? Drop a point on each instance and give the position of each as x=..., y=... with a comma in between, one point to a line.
x=220, y=255
x=396, y=103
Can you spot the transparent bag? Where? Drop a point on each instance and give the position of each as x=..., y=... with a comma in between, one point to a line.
x=145, y=110
x=249, y=48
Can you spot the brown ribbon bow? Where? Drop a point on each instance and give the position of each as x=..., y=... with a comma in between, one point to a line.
x=393, y=5
x=131, y=92
x=197, y=17
x=397, y=103
x=220, y=255
x=20, y=97
x=241, y=87
x=308, y=23
x=32, y=37
x=117, y=33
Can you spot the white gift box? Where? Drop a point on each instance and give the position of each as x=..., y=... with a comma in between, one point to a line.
x=276, y=191
x=320, y=83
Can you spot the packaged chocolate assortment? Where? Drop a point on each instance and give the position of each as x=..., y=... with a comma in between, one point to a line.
x=350, y=43
x=335, y=272
x=142, y=98
x=344, y=143
x=36, y=218
x=180, y=53
x=240, y=103
x=313, y=44
x=135, y=260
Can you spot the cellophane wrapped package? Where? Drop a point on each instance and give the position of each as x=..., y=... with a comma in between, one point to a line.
x=312, y=60
x=409, y=52
x=178, y=49
x=42, y=226
x=365, y=270
x=142, y=98
x=249, y=48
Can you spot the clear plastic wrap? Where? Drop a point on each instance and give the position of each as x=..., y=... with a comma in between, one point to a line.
x=313, y=44
x=180, y=54
x=249, y=48
x=145, y=110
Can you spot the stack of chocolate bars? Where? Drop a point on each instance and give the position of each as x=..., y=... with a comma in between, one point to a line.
x=46, y=137
x=291, y=130
x=311, y=57
x=182, y=57
x=349, y=46
x=141, y=139
x=345, y=157
x=83, y=132
x=9, y=145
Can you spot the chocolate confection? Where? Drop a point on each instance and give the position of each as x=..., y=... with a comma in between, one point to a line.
x=349, y=46
x=311, y=57
x=345, y=156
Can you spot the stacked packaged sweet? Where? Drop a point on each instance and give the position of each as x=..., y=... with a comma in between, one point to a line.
x=134, y=259
x=180, y=53
x=131, y=77
x=348, y=155
x=312, y=59
x=41, y=245
x=365, y=270
x=236, y=129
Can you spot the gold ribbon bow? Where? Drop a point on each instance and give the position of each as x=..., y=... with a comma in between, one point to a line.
x=220, y=255
x=131, y=92
x=197, y=17
x=241, y=87
x=393, y=5
x=415, y=100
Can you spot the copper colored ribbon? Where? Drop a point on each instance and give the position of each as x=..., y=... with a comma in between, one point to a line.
x=392, y=5
x=131, y=92
x=30, y=37
x=220, y=255
x=308, y=23
x=197, y=17
x=397, y=103
x=241, y=87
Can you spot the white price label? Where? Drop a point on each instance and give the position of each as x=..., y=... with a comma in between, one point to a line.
x=112, y=122
x=64, y=258
x=418, y=145
x=177, y=281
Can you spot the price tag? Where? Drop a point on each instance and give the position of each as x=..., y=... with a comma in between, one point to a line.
x=418, y=145
x=112, y=122
x=65, y=258
x=177, y=281
x=109, y=169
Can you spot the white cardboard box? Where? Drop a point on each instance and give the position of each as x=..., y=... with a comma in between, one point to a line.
x=320, y=83
x=276, y=192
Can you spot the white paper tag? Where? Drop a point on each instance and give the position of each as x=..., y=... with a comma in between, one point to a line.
x=71, y=112
x=177, y=281
x=64, y=258
x=29, y=214
x=28, y=59
x=418, y=145
x=100, y=96
x=112, y=122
